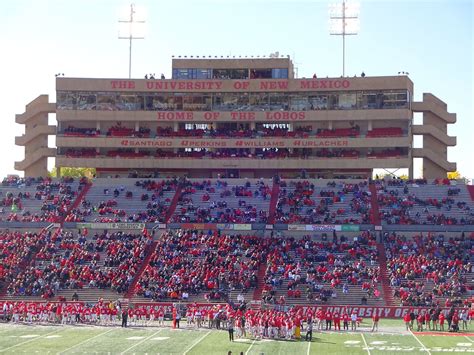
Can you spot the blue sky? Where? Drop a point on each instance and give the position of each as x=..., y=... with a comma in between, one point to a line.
x=432, y=40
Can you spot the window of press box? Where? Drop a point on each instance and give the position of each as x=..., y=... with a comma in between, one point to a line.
x=127, y=102
x=230, y=102
x=234, y=74
x=280, y=73
x=197, y=102
x=86, y=101
x=260, y=73
x=395, y=99
x=318, y=102
x=160, y=102
x=66, y=101
x=298, y=102
x=279, y=101
x=194, y=126
x=106, y=101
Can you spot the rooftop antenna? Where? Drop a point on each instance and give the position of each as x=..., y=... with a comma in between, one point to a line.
x=295, y=65
x=344, y=21
x=129, y=29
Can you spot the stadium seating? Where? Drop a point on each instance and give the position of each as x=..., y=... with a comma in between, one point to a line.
x=219, y=201
x=431, y=269
x=126, y=200
x=71, y=262
x=198, y=266
x=422, y=202
x=307, y=201
x=37, y=200
x=302, y=270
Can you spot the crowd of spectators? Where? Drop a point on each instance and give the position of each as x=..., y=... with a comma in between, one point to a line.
x=217, y=202
x=317, y=269
x=417, y=202
x=116, y=207
x=424, y=270
x=16, y=249
x=303, y=202
x=67, y=260
x=54, y=198
x=187, y=263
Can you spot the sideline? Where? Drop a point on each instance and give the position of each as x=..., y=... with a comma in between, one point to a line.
x=309, y=348
x=365, y=342
x=197, y=342
x=85, y=341
x=422, y=345
x=29, y=341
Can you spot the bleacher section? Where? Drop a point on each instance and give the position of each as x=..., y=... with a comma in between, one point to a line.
x=92, y=266
x=37, y=200
x=230, y=246
x=126, y=200
x=423, y=202
x=304, y=270
x=427, y=270
x=224, y=201
x=323, y=202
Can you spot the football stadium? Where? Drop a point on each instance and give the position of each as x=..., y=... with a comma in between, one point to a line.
x=236, y=208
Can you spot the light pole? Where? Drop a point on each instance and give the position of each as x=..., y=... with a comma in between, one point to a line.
x=344, y=21
x=131, y=29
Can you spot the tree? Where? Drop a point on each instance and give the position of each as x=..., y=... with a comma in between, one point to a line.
x=454, y=175
x=73, y=172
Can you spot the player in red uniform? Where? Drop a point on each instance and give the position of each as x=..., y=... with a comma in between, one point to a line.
x=407, y=320
x=337, y=321
x=328, y=317
x=345, y=320
x=375, y=319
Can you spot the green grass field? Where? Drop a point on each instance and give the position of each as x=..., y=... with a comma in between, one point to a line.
x=391, y=339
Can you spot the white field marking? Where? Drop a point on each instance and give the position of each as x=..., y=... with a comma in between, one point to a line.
x=134, y=338
x=472, y=341
x=352, y=342
x=196, y=342
x=309, y=348
x=422, y=345
x=250, y=347
x=53, y=336
x=365, y=343
x=465, y=345
x=141, y=341
x=160, y=338
x=29, y=341
x=29, y=336
x=85, y=341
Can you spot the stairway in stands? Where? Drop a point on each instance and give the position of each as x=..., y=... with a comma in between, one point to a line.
x=273, y=202
x=375, y=212
x=131, y=290
x=78, y=199
x=470, y=188
x=174, y=203
x=257, y=293
x=384, y=276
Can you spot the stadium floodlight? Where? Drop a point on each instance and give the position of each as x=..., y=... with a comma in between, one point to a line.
x=132, y=26
x=344, y=21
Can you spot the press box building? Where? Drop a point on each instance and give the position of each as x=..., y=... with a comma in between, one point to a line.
x=236, y=118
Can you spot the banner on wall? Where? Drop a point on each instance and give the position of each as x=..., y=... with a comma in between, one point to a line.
x=225, y=226
x=111, y=225
x=322, y=227
x=350, y=228
x=242, y=227
x=297, y=227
